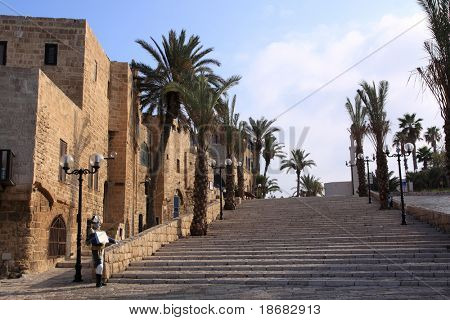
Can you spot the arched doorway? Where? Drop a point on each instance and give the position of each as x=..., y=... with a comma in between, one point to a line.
x=57, y=238
x=177, y=203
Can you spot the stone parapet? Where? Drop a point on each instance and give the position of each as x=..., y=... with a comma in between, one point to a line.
x=119, y=256
x=440, y=220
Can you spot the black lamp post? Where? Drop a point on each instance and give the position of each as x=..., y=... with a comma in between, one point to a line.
x=398, y=154
x=66, y=163
x=351, y=164
x=228, y=162
x=259, y=186
x=367, y=160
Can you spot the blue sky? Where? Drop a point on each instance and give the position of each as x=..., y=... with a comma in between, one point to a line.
x=284, y=50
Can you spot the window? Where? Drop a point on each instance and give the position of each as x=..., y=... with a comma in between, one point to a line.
x=144, y=154
x=136, y=128
x=62, y=151
x=178, y=166
x=95, y=71
x=57, y=241
x=51, y=54
x=3, y=46
x=6, y=166
x=140, y=223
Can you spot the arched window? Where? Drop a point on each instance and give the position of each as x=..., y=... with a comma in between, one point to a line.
x=57, y=239
x=145, y=154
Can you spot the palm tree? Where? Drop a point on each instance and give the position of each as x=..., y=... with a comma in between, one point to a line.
x=178, y=60
x=259, y=130
x=358, y=130
x=230, y=120
x=433, y=136
x=311, y=185
x=267, y=185
x=375, y=101
x=393, y=184
x=424, y=155
x=239, y=151
x=201, y=102
x=412, y=128
x=272, y=186
x=436, y=75
x=271, y=150
x=297, y=163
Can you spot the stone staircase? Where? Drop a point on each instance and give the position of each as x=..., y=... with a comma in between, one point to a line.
x=321, y=242
x=86, y=264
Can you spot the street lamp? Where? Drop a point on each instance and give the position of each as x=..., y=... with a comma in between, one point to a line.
x=367, y=160
x=398, y=154
x=66, y=164
x=228, y=162
x=351, y=164
x=259, y=190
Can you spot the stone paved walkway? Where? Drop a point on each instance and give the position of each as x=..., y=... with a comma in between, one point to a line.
x=317, y=238
x=439, y=203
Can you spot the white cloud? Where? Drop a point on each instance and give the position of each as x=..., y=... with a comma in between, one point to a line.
x=288, y=69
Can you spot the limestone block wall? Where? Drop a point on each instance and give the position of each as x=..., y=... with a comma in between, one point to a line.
x=18, y=104
x=26, y=39
x=118, y=257
x=126, y=191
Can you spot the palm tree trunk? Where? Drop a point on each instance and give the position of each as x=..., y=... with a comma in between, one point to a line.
x=241, y=181
x=158, y=158
x=298, y=183
x=362, y=188
x=256, y=163
x=414, y=154
x=230, y=203
x=199, y=225
x=382, y=175
x=447, y=146
x=433, y=144
x=265, y=169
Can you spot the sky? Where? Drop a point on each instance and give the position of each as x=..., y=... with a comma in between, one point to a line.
x=286, y=52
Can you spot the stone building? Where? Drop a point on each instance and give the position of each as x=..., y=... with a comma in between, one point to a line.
x=61, y=94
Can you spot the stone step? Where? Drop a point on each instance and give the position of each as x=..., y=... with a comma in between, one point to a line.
x=306, y=255
x=350, y=260
x=183, y=246
x=210, y=240
x=291, y=251
x=282, y=274
x=85, y=263
x=283, y=282
x=145, y=266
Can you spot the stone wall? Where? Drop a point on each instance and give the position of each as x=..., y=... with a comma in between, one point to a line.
x=18, y=104
x=440, y=220
x=118, y=257
x=126, y=199
x=26, y=39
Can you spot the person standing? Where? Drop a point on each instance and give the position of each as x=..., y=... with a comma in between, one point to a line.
x=98, y=239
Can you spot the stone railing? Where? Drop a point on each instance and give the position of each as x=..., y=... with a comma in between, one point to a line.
x=439, y=220
x=119, y=256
